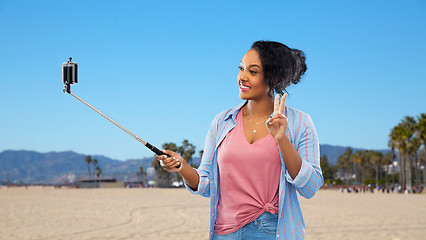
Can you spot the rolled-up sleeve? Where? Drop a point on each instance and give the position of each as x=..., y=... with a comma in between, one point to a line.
x=203, y=170
x=203, y=185
x=309, y=179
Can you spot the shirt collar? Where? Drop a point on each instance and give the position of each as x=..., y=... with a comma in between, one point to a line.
x=234, y=111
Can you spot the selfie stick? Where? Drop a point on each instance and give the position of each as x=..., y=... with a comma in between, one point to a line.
x=70, y=77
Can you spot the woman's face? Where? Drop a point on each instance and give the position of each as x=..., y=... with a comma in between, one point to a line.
x=250, y=77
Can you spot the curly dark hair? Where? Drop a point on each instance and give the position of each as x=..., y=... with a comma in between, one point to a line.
x=282, y=65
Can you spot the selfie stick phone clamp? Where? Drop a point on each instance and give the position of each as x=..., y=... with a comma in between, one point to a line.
x=70, y=77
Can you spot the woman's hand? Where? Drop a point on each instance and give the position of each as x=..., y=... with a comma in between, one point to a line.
x=170, y=163
x=277, y=125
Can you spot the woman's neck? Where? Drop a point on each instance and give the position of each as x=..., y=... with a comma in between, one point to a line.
x=260, y=108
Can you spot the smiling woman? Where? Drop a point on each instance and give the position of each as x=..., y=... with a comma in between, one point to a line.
x=258, y=154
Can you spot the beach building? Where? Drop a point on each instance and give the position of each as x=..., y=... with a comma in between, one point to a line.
x=99, y=183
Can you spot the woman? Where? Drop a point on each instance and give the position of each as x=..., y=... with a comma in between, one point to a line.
x=257, y=154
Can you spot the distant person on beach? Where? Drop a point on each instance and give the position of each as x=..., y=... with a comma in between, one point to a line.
x=258, y=154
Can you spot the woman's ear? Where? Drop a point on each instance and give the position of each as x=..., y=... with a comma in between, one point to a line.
x=270, y=92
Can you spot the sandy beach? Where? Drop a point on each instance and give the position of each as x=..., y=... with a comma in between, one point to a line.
x=49, y=213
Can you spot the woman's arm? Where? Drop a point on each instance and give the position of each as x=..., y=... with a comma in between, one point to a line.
x=186, y=171
x=277, y=126
x=197, y=181
x=303, y=170
x=310, y=179
x=292, y=159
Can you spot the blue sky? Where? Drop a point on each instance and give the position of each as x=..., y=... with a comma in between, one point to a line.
x=165, y=69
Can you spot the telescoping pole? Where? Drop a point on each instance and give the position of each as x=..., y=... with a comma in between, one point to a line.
x=147, y=144
x=70, y=77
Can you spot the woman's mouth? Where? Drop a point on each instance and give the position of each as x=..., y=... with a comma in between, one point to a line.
x=244, y=87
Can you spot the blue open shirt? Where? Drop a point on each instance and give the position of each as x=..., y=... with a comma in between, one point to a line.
x=302, y=134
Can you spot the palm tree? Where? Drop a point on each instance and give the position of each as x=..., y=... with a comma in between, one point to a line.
x=327, y=170
x=388, y=160
x=186, y=151
x=376, y=160
x=421, y=132
x=409, y=137
x=358, y=160
x=401, y=137
x=392, y=145
x=421, y=128
x=344, y=163
x=140, y=173
x=164, y=178
x=409, y=125
x=397, y=142
x=422, y=158
x=170, y=146
x=98, y=171
x=413, y=145
x=94, y=163
x=88, y=161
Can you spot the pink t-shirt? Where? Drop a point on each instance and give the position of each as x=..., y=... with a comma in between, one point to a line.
x=249, y=177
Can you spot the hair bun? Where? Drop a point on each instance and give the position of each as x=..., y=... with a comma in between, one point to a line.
x=282, y=65
x=299, y=68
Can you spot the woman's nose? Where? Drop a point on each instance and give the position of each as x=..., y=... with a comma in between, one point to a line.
x=242, y=76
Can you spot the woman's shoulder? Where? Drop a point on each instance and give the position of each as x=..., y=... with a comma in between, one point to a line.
x=225, y=114
x=297, y=116
x=221, y=115
x=295, y=112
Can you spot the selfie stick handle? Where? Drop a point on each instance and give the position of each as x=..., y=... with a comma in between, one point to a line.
x=147, y=144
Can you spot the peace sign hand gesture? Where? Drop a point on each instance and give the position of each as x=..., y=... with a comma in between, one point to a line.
x=277, y=125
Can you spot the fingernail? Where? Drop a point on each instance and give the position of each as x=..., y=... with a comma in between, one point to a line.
x=165, y=156
x=174, y=158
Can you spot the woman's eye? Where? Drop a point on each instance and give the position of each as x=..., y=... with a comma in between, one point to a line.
x=241, y=68
x=253, y=72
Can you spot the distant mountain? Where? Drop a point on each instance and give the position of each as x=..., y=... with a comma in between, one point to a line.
x=333, y=152
x=59, y=167
x=64, y=167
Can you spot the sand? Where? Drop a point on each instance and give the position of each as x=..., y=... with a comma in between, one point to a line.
x=334, y=215
x=48, y=213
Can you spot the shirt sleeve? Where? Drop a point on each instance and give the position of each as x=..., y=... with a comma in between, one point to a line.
x=309, y=179
x=203, y=170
